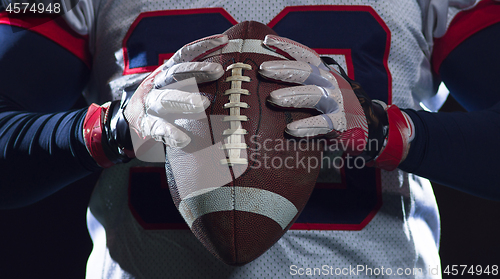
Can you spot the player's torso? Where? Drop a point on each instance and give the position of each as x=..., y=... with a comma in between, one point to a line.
x=381, y=41
x=355, y=216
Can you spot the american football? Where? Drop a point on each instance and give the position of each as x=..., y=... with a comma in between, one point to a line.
x=241, y=183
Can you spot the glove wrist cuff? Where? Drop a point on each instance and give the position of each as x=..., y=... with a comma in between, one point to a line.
x=93, y=134
x=118, y=133
x=398, y=139
x=106, y=135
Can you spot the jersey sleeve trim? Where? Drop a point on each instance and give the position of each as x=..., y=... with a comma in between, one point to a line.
x=464, y=25
x=53, y=28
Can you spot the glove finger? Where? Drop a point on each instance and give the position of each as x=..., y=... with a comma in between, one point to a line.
x=309, y=127
x=163, y=131
x=322, y=99
x=292, y=49
x=202, y=71
x=197, y=49
x=332, y=123
x=170, y=101
x=297, y=72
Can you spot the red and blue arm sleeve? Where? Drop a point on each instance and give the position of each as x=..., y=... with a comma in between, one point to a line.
x=461, y=149
x=467, y=55
x=44, y=67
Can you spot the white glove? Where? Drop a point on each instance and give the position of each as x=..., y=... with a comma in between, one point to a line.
x=322, y=88
x=160, y=98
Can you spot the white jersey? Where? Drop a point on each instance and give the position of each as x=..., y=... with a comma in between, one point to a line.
x=356, y=225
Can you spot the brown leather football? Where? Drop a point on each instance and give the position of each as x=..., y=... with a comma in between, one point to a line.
x=241, y=183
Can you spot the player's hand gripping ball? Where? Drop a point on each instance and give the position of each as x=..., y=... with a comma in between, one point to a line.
x=153, y=107
x=120, y=130
x=357, y=125
x=321, y=88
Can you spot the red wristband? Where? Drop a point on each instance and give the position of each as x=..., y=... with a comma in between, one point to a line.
x=398, y=139
x=92, y=134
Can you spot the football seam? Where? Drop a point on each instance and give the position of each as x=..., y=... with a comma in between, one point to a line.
x=235, y=141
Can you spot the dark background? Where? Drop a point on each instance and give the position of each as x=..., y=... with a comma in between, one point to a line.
x=470, y=226
x=50, y=240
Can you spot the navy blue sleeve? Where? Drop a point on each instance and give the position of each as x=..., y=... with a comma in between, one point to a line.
x=41, y=141
x=458, y=149
x=461, y=149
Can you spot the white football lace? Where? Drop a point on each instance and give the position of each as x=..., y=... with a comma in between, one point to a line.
x=234, y=143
